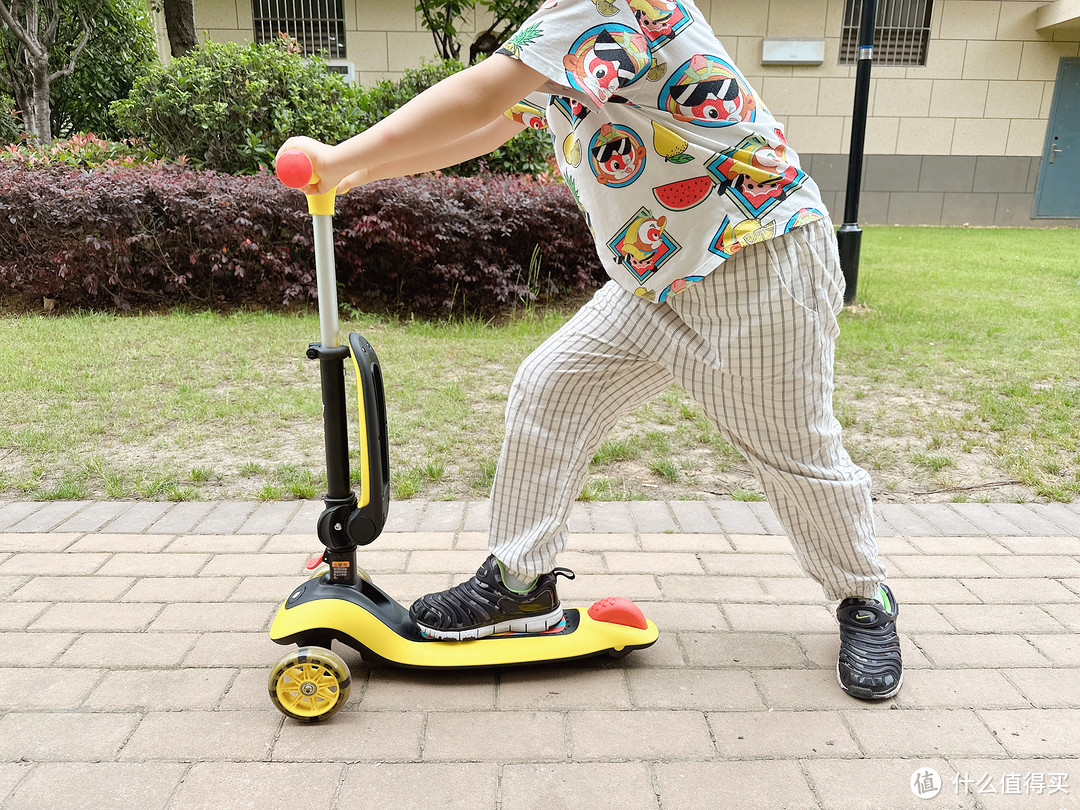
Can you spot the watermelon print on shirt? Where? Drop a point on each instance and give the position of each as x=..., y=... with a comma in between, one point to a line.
x=675, y=160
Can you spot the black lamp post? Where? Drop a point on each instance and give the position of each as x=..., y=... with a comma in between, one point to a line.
x=849, y=237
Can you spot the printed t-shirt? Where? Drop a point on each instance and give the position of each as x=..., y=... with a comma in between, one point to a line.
x=674, y=159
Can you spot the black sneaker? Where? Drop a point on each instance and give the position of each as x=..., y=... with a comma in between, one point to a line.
x=483, y=606
x=869, y=666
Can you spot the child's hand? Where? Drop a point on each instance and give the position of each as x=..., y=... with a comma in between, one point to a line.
x=351, y=181
x=321, y=155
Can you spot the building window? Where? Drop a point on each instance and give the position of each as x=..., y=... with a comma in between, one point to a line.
x=901, y=36
x=317, y=25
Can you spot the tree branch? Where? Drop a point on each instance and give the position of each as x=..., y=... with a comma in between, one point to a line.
x=30, y=43
x=78, y=50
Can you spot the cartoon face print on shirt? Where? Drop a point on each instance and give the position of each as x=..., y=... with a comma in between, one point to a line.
x=660, y=20
x=754, y=174
x=708, y=92
x=642, y=246
x=607, y=59
x=616, y=155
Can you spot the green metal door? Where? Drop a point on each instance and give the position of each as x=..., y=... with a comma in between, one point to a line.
x=1058, y=191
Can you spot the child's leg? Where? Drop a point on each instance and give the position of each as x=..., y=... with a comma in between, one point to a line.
x=566, y=397
x=769, y=317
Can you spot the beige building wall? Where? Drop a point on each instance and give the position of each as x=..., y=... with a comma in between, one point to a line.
x=983, y=98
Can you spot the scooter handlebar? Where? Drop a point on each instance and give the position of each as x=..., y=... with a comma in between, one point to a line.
x=295, y=169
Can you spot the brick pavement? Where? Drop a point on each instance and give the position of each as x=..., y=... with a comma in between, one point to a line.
x=137, y=658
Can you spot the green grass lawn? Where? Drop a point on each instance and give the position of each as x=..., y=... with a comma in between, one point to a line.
x=958, y=377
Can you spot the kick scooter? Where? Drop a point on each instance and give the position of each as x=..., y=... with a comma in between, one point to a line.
x=311, y=683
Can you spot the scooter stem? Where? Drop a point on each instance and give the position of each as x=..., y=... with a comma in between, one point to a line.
x=326, y=279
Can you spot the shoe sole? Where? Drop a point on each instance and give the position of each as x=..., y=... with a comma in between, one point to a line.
x=532, y=624
x=863, y=694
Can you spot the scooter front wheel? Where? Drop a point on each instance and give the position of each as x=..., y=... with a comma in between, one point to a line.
x=310, y=684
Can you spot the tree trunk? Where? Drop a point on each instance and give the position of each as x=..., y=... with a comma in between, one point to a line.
x=39, y=122
x=180, y=23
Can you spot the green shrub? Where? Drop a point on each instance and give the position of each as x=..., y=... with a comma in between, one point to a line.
x=10, y=124
x=80, y=151
x=528, y=153
x=229, y=107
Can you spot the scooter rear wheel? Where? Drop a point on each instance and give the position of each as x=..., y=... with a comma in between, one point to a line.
x=310, y=684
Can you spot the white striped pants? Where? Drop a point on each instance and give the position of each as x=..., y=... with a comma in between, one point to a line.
x=753, y=343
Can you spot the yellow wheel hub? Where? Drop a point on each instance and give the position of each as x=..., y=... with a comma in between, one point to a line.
x=310, y=684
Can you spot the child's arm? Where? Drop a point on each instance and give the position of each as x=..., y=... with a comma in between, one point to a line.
x=475, y=144
x=453, y=109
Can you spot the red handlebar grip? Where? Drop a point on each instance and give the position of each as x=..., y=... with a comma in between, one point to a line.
x=294, y=168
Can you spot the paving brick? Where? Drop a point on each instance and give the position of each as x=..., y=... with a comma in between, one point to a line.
x=764, y=513
x=626, y=562
x=447, y=516
x=736, y=517
x=162, y=690
x=742, y=650
x=608, y=518
x=779, y=618
x=226, y=517
x=13, y=513
x=672, y=617
x=195, y=736
x=392, y=690
x=181, y=589
x=781, y=734
x=303, y=544
x=752, y=565
x=17, y=615
x=38, y=541
x=94, y=516
x=1036, y=566
x=941, y=565
x=563, y=689
x=83, y=785
x=121, y=542
x=958, y=545
x=53, y=564
x=979, y=652
x=1064, y=515
x=1034, y=732
x=700, y=689
x=153, y=565
x=83, y=616
x=30, y=688
x=63, y=736
x=477, y=517
x=598, y=586
x=1031, y=544
x=444, y=561
x=945, y=520
x=747, y=785
x=1063, y=649
x=928, y=591
x=904, y=520
x=217, y=543
x=232, y=650
x=999, y=618
x=258, y=785
x=609, y=541
x=987, y=520
x=215, y=616
x=306, y=517
x=566, y=785
x=652, y=516
x=269, y=518
x=472, y=541
x=494, y=737
x=181, y=519
x=1068, y=615
x=49, y=516
x=639, y=735
x=798, y=689
x=695, y=517
x=1020, y=591
x=680, y=542
x=11, y=773
x=1048, y=688
x=139, y=518
x=248, y=565
x=127, y=650
x=714, y=589
x=761, y=543
x=874, y=784
x=666, y=652
x=422, y=786
x=73, y=589
x=35, y=649
x=974, y=689
x=1027, y=518
x=923, y=733
x=262, y=589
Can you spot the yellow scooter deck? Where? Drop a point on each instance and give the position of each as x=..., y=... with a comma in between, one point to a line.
x=379, y=628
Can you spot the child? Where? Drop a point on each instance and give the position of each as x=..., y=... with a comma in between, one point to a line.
x=724, y=278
